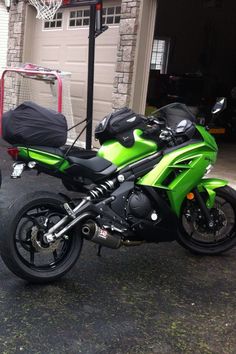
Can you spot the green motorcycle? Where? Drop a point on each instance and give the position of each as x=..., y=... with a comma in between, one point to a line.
x=145, y=184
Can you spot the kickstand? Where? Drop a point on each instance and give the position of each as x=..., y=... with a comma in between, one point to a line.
x=99, y=251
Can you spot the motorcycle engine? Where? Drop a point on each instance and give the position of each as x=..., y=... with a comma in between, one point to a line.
x=139, y=206
x=143, y=216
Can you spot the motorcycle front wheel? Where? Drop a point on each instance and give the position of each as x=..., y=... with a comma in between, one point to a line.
x=22, y=247
x=197, y=237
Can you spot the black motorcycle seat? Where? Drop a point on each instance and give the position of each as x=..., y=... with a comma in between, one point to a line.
x=50, y=150
x=94, y=168
x=74, y=152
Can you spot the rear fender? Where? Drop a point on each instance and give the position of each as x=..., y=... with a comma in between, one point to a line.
x=209, y=185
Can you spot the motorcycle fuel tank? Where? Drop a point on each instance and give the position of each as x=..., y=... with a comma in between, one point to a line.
x=122, y=156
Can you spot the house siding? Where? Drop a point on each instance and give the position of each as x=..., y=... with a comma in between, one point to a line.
x=4, y=17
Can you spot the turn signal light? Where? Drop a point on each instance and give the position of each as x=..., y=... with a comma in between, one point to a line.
x=190, y=196
x=13, y=152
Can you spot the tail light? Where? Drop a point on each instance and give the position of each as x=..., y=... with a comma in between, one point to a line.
x=13, y=152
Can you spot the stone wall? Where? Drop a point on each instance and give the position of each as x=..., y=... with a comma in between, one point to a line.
x=16, y=33
x=15, y=50
x=126, y=53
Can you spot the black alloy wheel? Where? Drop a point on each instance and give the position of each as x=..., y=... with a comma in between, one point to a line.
x=23, y=249
x=198, y=237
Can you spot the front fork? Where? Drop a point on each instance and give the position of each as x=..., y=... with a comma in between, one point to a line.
x=208, y=186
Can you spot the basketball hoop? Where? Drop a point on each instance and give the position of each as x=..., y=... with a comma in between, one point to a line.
x=46, y=9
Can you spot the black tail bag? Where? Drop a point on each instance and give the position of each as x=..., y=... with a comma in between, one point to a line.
x=31, y=124
x=120, y=125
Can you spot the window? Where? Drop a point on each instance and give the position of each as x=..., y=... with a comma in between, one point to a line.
x=160, y=53
x=111, y=15
x=56, y=22
x=80, y=18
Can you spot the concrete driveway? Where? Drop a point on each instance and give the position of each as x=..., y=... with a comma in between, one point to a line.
x=149, y=299
x=225, y=167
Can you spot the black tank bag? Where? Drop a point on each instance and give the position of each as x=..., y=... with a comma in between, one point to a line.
x=120, y=125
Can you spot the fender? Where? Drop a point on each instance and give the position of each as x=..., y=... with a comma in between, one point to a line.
x=209, y=185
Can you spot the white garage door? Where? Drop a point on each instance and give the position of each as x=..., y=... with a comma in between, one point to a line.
x=63, y=44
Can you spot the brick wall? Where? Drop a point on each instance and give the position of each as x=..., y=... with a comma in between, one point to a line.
x=126, y=53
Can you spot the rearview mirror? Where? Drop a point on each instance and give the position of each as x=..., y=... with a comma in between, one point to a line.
x=219, y=106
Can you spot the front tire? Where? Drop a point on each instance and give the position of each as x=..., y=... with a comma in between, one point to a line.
x=198, y=238
x=21, y=243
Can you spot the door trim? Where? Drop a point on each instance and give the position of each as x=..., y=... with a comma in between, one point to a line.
x=143, y=55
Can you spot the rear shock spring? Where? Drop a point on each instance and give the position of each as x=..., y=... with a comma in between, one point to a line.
x=102, y=189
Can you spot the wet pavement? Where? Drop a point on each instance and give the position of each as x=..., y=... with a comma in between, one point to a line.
x=148, y=299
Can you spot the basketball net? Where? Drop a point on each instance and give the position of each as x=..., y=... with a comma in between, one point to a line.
x=46, y=9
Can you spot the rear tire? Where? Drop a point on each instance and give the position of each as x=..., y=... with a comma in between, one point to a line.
x=19, y=248
x=198, y=240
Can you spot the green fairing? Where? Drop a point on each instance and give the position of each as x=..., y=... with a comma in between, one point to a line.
x=209, y=185
x=121, y=156
x=181, y=169
x=43, y=158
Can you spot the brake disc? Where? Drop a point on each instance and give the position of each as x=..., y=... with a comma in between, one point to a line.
x=36, y=243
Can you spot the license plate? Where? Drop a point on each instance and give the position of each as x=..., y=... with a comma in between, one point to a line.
x=18, y=168
x=217, y=130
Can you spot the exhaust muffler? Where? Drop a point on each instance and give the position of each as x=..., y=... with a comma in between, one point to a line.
x=92, y=232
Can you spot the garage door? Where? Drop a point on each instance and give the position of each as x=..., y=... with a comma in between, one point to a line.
x=63, y=44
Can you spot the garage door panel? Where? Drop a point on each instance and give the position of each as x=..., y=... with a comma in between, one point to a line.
x=67, y=50
x=101, y=108
x=51, y=53
x=102, y=92
x=106, y=37
x=104, y=73
x=49, y=64
x=105, y=54
x=76, y=53
x=78, y=105
x=78, y=71
x=77, y=90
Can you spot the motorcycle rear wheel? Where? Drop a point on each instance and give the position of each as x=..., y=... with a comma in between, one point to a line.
x=199, y=239
x=21, y=243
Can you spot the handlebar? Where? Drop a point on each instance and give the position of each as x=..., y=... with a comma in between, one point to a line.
x=158, y=131
x=164, y=135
